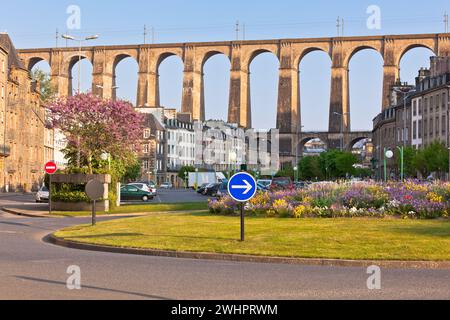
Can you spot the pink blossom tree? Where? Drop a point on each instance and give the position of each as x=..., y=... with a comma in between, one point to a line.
x=97, y=126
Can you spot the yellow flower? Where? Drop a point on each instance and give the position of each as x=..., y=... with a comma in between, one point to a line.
x=299, y=211
x=434, y=197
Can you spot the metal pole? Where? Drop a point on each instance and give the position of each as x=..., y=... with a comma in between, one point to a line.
x=50, y=194
x=94, y=213
x=79, y=68
x=385, y=164
x=402, y=154
x=242, y=223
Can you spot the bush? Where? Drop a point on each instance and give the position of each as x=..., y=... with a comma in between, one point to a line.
x=70, y=196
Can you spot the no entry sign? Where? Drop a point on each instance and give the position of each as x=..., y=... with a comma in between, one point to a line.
x=50, y=167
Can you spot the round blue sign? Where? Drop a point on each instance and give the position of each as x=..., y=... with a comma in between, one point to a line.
x=242, y=187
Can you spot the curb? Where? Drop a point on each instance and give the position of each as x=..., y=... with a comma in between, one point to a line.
x=51, y=238
x=114, y=215
x=29, y=215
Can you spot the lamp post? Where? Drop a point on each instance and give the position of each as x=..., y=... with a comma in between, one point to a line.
x=80, y=45
x=388, y=154
x=406, y=94
x=106, y=156
x=186, y=179
x=402, y=162
x=296, y=173
x=196, y=179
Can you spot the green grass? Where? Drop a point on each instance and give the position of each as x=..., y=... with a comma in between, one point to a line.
x=144, y=208
x=359, y=238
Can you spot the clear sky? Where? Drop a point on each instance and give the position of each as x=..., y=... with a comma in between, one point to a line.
x=34, y=23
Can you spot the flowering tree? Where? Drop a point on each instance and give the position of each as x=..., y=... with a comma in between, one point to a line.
x=95, y=126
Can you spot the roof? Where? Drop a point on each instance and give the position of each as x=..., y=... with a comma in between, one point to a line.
x=152, y=122
x=13, y=57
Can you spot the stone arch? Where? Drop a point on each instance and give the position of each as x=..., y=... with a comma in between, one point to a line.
x=357, y=49
x=403, y=50
x=209, y=54
x=305, y=52
x=161, y=58
x=31, y=62
x=117, y=60
x=307, y=138
x=72, y=60
x=355, y=140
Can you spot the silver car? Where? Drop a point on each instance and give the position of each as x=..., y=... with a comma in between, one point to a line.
x=42, y=195
x=145, y=187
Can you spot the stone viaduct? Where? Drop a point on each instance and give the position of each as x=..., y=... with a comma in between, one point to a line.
x=290, y=52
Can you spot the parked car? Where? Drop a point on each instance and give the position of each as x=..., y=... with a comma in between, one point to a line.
x=144, y=186
x=205, y=189
x=265, y=182
x=299, y=185
x=262, y=187
x=166, y=185
x=42, y=195
x=130, y=192
x=202, y=188
x=212, y=189
x=223, y=190
x=281, y=183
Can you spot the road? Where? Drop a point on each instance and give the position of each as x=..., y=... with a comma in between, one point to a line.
x=33, y=269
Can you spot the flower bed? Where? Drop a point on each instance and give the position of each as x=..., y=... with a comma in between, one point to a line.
x=411, y=199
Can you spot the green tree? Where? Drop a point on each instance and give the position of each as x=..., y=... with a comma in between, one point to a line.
x=183, y=170
x=309, y=168
x=409, y=153
x=436, y=156
x=287, y=171
x=47, y=90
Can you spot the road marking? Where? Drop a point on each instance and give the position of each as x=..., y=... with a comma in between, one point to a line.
x=8, y=232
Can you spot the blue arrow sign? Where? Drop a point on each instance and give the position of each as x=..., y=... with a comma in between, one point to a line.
x=242, y=187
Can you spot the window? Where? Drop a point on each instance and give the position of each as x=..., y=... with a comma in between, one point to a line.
x=414, y=130
x=146, y=133
x=145, y=148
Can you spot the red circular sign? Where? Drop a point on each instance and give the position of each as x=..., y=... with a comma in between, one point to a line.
x=50, y=167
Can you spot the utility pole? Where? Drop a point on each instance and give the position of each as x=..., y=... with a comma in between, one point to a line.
x=446, y=22
x=343, y=23
x=237, y=30
x=145, y=34
x=57, y=36
x=338, y=26
x=243, y=32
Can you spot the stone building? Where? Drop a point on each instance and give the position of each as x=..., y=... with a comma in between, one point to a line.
x=431, y=112
x=23, y=139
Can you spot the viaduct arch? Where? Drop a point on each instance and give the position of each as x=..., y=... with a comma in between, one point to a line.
x=289, y=52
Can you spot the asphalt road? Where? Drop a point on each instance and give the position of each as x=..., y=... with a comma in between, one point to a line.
x=33, y=269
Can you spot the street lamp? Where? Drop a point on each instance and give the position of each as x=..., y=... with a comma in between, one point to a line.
x=406, y=94
x=80, y=42
x=388, y=154
x=106, y=156
x=101, y=87
x=296, y=173
x=196, y=179
x=186, y=179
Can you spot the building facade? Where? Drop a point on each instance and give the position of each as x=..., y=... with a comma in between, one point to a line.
x=419, y=115
x=25, y=142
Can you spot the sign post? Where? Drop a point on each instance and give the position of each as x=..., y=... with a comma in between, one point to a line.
x=50, y=169
x=95, y=191
x=242, y=188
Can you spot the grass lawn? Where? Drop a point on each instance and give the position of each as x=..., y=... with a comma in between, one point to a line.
x=140, y=208
x=359, y=238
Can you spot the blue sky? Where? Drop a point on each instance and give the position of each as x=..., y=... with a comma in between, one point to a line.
x=33, y=24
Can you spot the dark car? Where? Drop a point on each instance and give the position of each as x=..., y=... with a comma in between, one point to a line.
x=212, y=189
x=281, y=183
x=299, y=185
x=202, y=188
x=131, y=192
x=223, y=190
